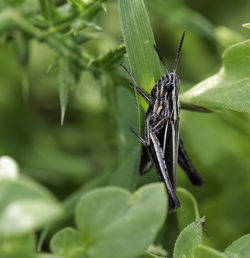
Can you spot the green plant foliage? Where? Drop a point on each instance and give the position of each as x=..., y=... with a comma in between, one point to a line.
x=102, y=213
x=112, y=222
x=189, y=238
x=67, y=82
x=188, y=212
x=229, y=88
x=246, y=25
x=66, y=53
x=47, y=256
x=240, y=248
x=18, y=246
x=202, y=251
x=65, y=242
x=150, y=255
x=27, y=208
x=139, y=41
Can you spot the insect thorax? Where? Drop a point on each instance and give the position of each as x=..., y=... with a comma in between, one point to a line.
x=167, y=84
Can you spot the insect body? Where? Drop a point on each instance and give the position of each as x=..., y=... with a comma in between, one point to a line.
x=162, y=146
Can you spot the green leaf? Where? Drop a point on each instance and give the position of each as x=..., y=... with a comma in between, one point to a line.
x=155, y=252
x=226, y=36
x=126, y=174
x=65, y=242
x=230, y=87
x=44, y=255
x=114, y=223
x=48, y=10
x=188, y=211
x=246, y=25
x=150, y=255
x=239, y=248
x=188, y=239
x=79, y=254
x=67, y=83
x=18, y=245
x=202, y=251
x=27, y=207
x=110, y=58
x=139, y=41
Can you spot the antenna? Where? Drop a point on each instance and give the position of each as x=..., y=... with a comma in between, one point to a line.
x=161, y=58
x=178, y=52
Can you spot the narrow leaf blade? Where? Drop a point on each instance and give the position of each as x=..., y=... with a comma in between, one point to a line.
x=139, y=41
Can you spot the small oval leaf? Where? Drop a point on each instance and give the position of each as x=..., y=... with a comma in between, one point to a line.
x=239, y=248
x=65, y=242
x=188, y=239
x=26, y=208
x=188, y=210
x=114, y=223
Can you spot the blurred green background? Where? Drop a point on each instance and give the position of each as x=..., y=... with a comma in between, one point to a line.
x=91, y=141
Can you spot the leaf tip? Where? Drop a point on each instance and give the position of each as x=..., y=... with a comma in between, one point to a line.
x=63, y=111
x=246, y=25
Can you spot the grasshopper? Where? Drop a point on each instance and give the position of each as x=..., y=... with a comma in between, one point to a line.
x=162, y=146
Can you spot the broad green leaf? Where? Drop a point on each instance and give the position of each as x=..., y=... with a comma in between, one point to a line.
x=67, y=83
x=246, y=25
x=139, y=41
x=65, y=242
x=188, y=239
x=226, y=37
x=188, y=211
x=240, y=248
x=25, y=205
x=230, y=87
x=202, y=251
x=114, y=223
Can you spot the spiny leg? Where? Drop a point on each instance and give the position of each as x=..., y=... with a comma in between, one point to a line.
x=138, y=88
x=186, y=164
x=173, y=200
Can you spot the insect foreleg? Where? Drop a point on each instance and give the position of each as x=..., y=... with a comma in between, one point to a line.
x=138, y=88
